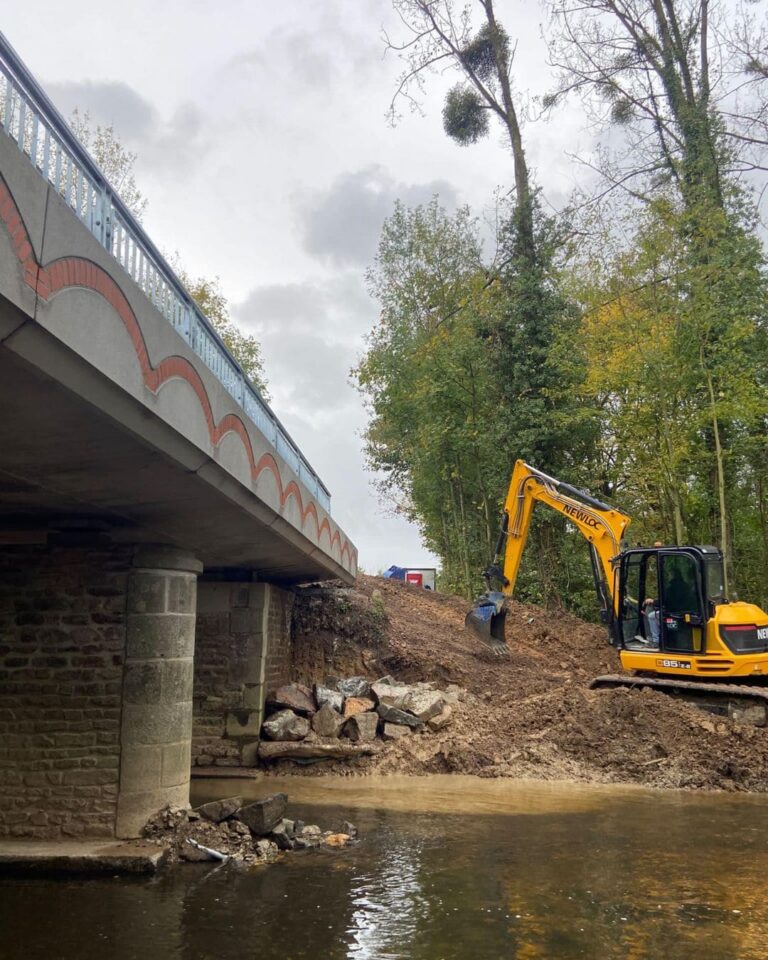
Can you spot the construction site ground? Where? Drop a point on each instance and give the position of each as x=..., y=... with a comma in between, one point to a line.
x=530, y=715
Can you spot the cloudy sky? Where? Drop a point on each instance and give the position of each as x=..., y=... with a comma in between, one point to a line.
x=267, y=159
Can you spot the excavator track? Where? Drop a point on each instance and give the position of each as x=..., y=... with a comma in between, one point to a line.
x=726, y=699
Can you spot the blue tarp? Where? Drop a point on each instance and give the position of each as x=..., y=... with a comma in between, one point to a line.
x=395, y=573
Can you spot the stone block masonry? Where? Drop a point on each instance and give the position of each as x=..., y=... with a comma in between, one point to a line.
x=62, y=643
x=242, y=651
x=157, y=685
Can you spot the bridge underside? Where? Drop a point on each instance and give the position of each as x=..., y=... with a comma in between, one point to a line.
x=65, y=463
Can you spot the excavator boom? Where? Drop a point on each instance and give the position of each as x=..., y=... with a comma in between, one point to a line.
x=601, y=525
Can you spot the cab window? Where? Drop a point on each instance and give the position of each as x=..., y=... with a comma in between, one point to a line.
x=679, y=585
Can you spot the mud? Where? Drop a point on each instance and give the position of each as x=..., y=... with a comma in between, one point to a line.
x=529, y=716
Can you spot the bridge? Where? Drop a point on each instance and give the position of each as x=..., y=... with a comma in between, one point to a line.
x=149, y=496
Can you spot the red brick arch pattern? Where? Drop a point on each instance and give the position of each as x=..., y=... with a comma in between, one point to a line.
x=69, y=272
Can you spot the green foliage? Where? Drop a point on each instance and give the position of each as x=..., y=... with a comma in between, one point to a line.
x=482, y=54
x=461, y=378
x=465, y=116
x=673, y=336
x=115, y=161
x=244, y=348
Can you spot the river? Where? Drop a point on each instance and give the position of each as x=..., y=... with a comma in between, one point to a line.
x=447, y=868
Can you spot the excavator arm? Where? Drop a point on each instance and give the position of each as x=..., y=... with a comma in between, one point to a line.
x=601, y=525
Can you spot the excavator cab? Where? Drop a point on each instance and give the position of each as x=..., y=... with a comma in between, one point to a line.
x=666, y=597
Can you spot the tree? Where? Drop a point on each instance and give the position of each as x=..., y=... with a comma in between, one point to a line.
x=676, y=354
x=117, y=165
x=671, y=78
x=244, y=348
x=441, y=32
x=426, y=379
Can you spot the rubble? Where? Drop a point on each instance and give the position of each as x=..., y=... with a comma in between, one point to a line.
x=294, y=696
x=394, y=731
x=286, y=725
x=327, y=722
x=326, y=695
x=354, y=687
x=424, y=703
x=257, y=834
x=442, y=719
x=218, y=810
x=262, y=815
x=393, y=715
x=355, y=705
x=361, y=727
x=360, y=711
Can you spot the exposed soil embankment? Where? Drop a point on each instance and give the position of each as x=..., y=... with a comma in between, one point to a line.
x=530, y=715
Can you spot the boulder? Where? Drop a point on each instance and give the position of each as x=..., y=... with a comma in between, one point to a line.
x=453, y=694
x=391, y=695
x=218, y=810
x=327, y=722
x=310, y=836
x=284, y=835
x=362, y=727
x=238, y=829
x=394, y=715
x=285, y=725
x=349, y=828
x=262, y=816
x=441, y=720
x=294, y=696
x=394, y=731
x=355, y=705
x=354, y=687
x=265, y=850
x=325, y=695
x=424, y=703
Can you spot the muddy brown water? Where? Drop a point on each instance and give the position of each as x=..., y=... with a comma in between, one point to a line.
x=447, y=868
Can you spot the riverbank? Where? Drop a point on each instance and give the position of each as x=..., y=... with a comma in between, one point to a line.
x=530, y=716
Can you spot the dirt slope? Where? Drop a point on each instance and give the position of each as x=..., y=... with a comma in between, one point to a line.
x=530, y=715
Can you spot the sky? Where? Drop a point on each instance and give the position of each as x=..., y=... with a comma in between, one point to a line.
x=267, y=159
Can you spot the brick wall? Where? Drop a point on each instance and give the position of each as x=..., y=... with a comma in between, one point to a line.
x=242, y=651
x=62, y=641
x=278, y=665
x=216, y=648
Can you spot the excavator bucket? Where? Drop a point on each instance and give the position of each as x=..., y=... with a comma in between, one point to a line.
x=486, y=620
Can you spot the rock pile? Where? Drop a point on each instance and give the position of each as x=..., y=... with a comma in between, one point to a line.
x=250, y=833
x=346, y=717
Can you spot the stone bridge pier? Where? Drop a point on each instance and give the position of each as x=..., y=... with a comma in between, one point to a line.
x=98, y=677
x=156, y=724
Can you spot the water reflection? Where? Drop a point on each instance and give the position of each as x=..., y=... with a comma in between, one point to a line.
x=608, y=874
x=389, y=906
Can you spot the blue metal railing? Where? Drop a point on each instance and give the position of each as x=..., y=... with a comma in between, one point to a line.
x=41, y=133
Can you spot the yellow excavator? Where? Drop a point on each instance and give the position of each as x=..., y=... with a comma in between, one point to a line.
x=664, y=606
